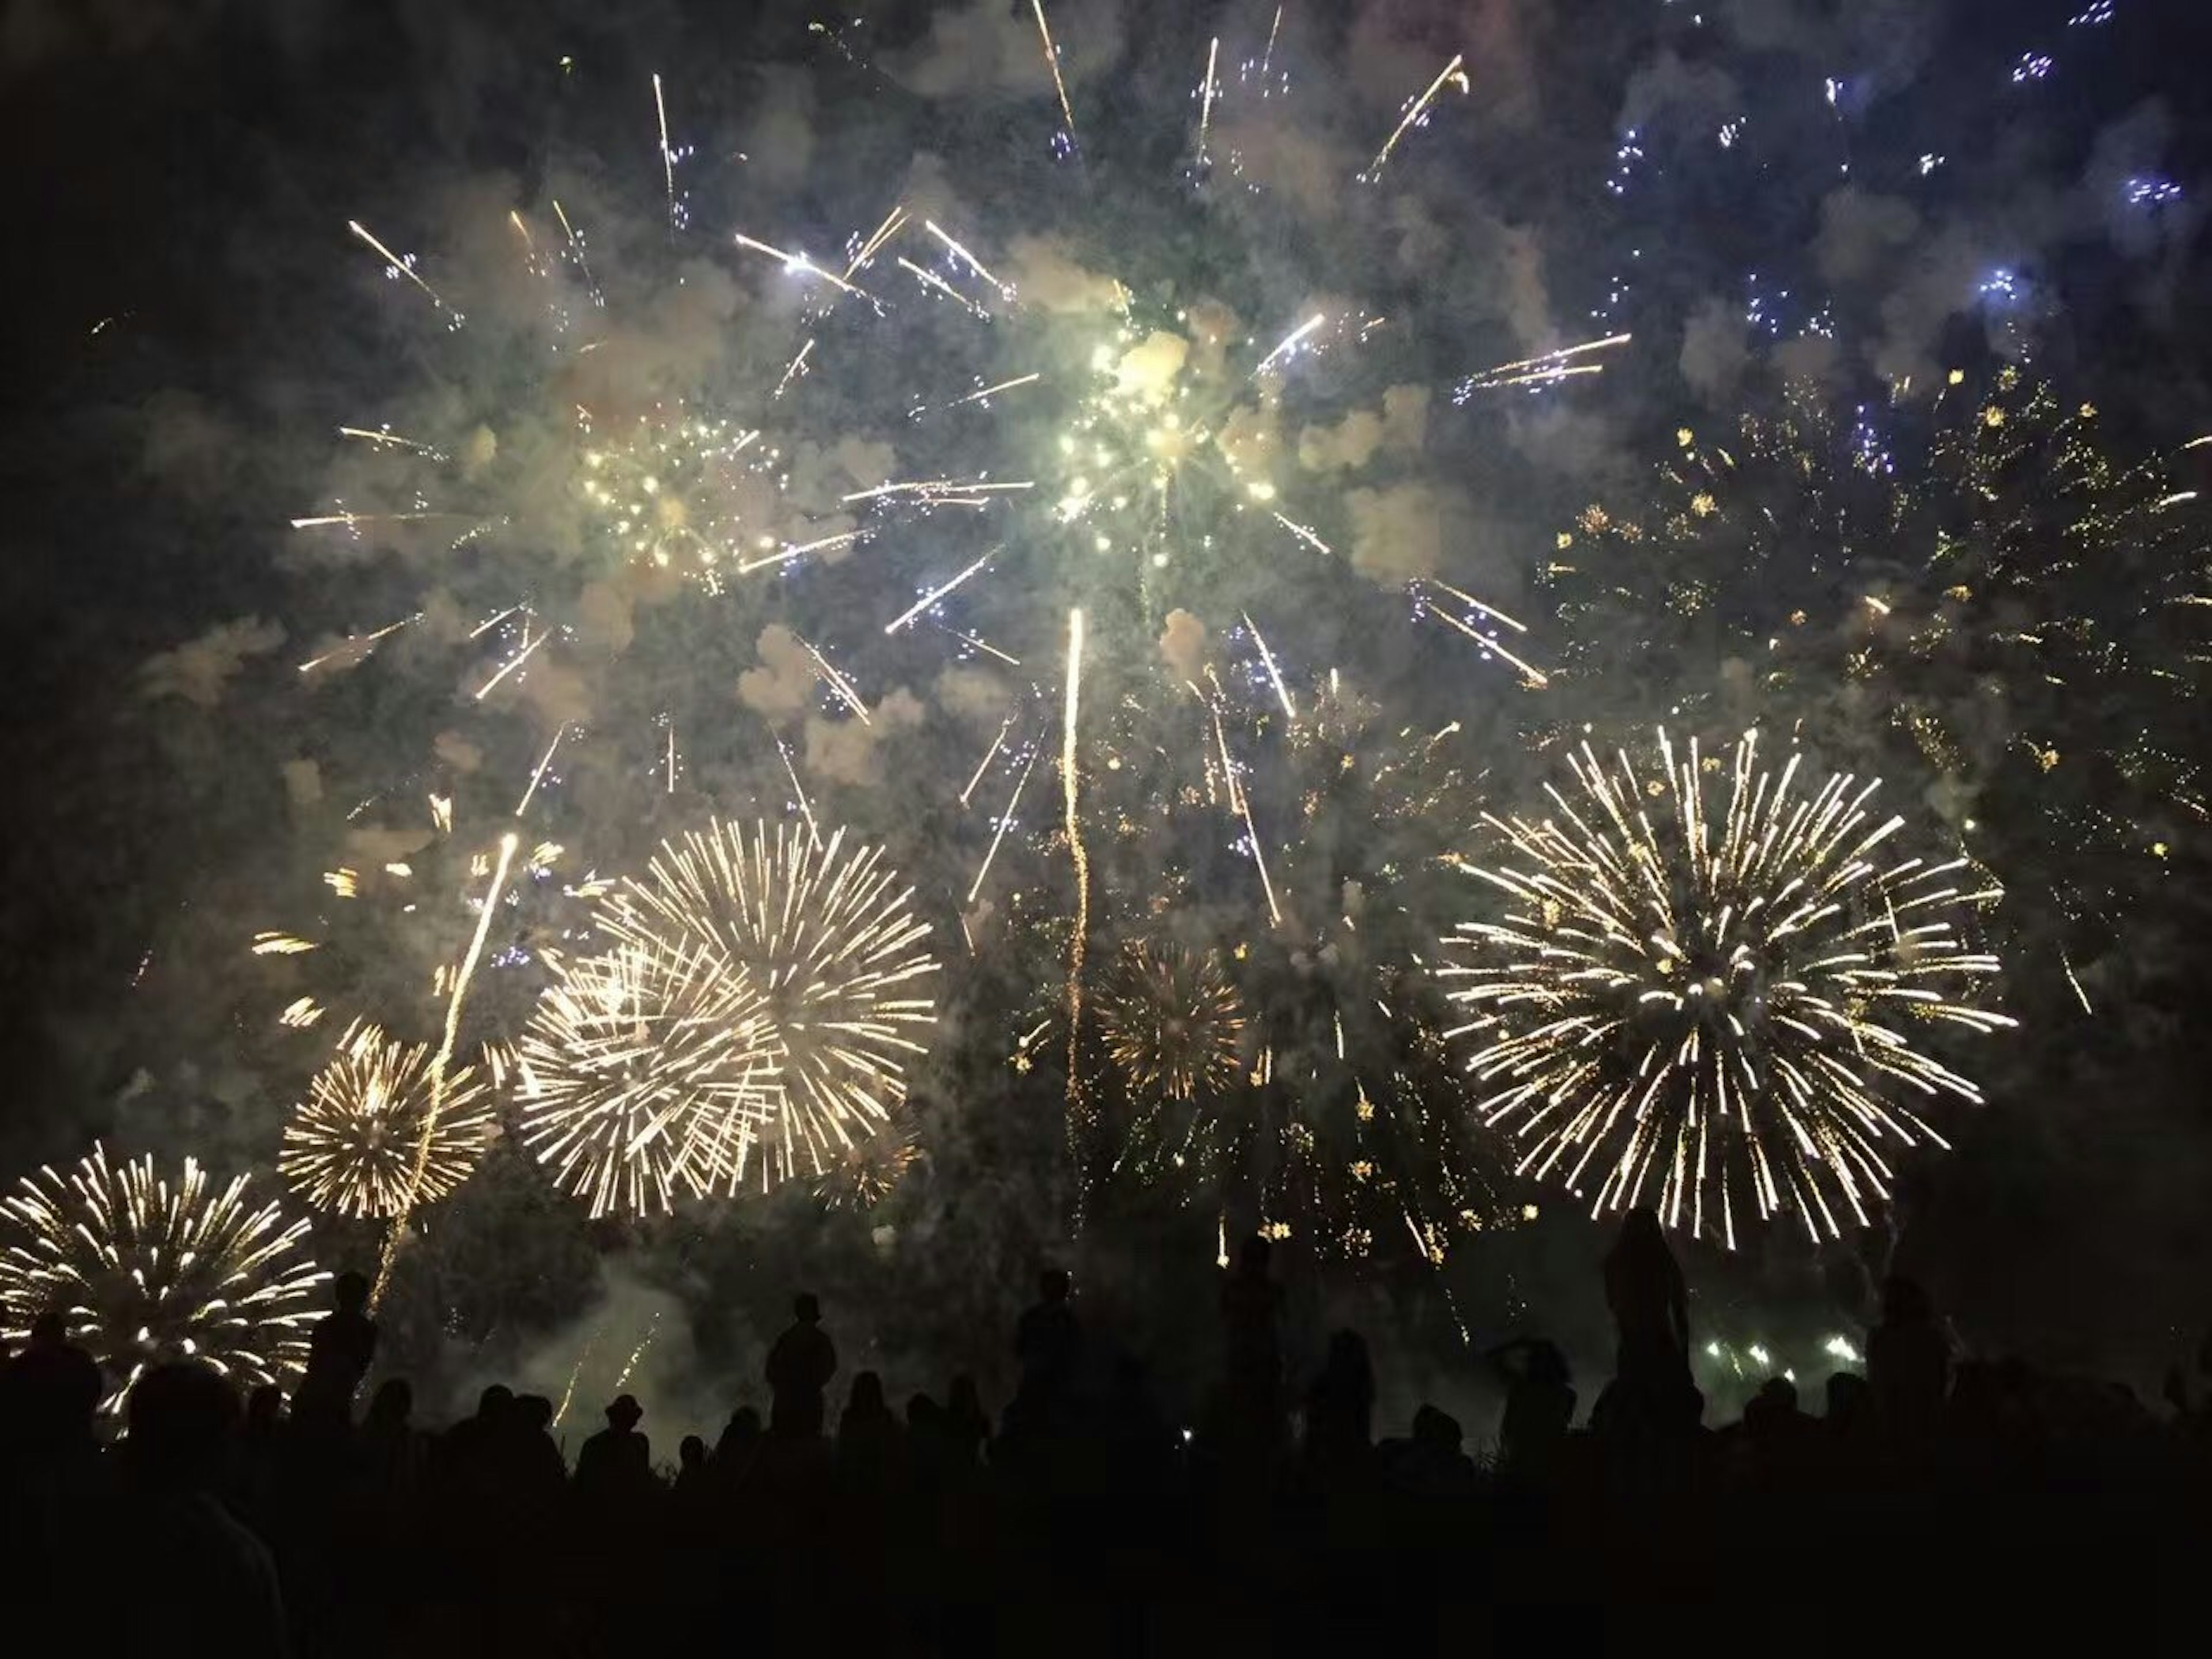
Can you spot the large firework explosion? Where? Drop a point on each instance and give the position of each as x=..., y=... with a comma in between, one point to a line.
x=1719, y=1007
x=1975, y=585
x=353, y=1145
x=751, y=1022
x=642, y=1074
x=146, y=1266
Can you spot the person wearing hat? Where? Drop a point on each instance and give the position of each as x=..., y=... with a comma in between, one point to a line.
x=615, y=1465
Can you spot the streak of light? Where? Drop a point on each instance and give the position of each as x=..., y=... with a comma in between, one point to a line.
x=1013, y=801
x=1205, y=104
x=1274, y=674
x=1242, y=807
x=396, y=263
x=937, y=488
x=529, y=646
x=980, y=644
x=1450, y=73
x=1052, y=62
x=358, y=642
x=798, y=368
x=575, y=244
x=1078, y=1110
x=545, y=761
x=805, y=807
x=846, y=690
x=894, y=222
x=800, y=265
x=791, y=550
x=667, y=155
x=1289, y=342
x=965, y=256
x=1268, y=55
x=989, y=754
x=929, y=278
x=386, y=440
x=938, y=593
x=1003, y=385
x=1305, y=535
x=440, y=1060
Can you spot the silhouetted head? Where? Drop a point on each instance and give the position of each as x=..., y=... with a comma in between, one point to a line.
x=625, y=1413
x=49, y=1329
x=350, y=1292
x=1347, y=1359
x=923, y=1413
x=265, y=1408
x=867, y=1398
x=1438, y=1429
x=1777, y=1394
x=744, y=1425
x=1252, y=1257
x=534, y=1412
x=1847, y=1397
x=1640, y=1233
x=1548, y=1365
x=692, y=1452
x=1904, y=1303
x=805, y=1310
x=181, y=1416
x=393, y=1402
x=495, y=1402
x=962, y=1400
x=1053, y=1284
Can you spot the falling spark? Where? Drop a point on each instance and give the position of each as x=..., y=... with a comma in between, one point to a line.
x=1079, y=1110
x=967, y=258
x=800, y=265
x=989, y=754
x=845, y=689
x=805, y=807
x=393, y=262
x=1451, y=74
x=667, y=155
x=538, y=776
x=1205, y=107
x=1052, y=62
x=1005, y=818
x=938, y=592
x=438, y=1063
x=529, y=646
x=798, y=368
x=1289, y=342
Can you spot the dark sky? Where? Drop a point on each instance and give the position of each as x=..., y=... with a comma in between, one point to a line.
x=186, y=320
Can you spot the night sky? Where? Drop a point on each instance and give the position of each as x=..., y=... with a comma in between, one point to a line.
x=1767, y=194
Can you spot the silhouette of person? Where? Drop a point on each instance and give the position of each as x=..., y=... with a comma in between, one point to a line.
x=614, y=1467
x=1540, y=1404
x=799, y=1367
x=339, y=1354
x=1645, y=1292
x=49, y=1393
x=1252, y=1393
x=966, y=1425
x=1048, y=1338
x=740, y=1439
x=691, y=1479
x=391, y=1452
x=200, y=1581
x=536, y=1471
x=1908, y=1362
x=868, y=1436
x=1341, y=1409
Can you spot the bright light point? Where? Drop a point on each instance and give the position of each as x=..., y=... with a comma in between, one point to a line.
x=1263, y=492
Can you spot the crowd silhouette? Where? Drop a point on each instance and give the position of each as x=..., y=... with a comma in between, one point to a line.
x=1089, y=1519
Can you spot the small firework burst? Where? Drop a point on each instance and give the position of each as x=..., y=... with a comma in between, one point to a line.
x=353, y=1144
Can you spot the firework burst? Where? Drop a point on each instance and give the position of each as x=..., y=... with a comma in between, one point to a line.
x=869, y=1171
x=821, y=934
x=146, y=1267
x=1709, y=1009
x=1300, y=833
x=1975, y=585
x=352, y=1145
x=646, y=1073
x=1171, y=1023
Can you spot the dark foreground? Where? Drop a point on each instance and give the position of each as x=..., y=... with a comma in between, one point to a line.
x=1928, y=1500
